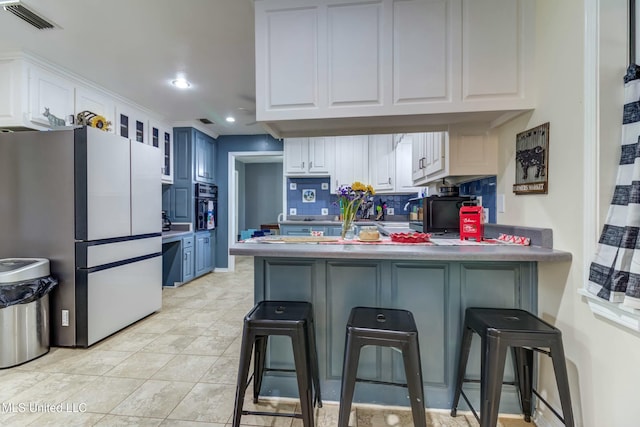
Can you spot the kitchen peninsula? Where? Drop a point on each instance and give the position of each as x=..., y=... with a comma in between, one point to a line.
x=436, y=283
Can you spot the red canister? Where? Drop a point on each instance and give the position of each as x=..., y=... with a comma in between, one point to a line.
x=471, y=223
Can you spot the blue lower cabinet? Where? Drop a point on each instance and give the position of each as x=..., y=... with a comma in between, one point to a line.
x=333, y=231
x=300, y=230
x=187, y=259
x=184, y=259
x=297, y=230
x=204, y=259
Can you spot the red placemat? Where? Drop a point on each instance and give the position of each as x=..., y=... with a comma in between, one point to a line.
x=375, y=242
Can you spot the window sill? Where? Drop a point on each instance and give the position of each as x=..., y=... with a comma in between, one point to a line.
x=616, y=312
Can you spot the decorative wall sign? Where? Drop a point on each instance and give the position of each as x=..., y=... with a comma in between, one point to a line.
x=532, y=161
x=309, y=196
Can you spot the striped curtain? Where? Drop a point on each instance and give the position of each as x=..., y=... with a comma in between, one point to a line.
x=614, y=274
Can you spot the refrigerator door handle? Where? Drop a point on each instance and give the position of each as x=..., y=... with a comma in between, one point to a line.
x=120, y=263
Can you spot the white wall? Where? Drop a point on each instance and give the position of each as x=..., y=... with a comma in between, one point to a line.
x=241, y=202
x=602, y=357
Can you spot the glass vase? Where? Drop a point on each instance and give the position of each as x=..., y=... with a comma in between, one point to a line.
x=348, y=230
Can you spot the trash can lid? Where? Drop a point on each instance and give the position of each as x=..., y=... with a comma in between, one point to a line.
x=20, y=269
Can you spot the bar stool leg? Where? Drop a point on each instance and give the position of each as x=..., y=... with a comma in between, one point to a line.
x=243, y=374
x=465, y=347
x=562, y=379
x=413, y=373
x=494, y=355
x=314, y=364
x=523, y=361
x=259, y=360
x=303, y=375
x=349, y=373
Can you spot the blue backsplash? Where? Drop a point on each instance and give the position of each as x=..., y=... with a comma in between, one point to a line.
x=318, y=195
x=487, y=189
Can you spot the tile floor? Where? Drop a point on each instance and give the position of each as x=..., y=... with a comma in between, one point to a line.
x=175, y=368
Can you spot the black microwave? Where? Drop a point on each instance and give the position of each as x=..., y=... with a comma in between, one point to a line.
x=441, y=214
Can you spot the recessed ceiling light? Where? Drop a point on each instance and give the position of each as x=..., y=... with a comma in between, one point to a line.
x=230, y=119
x=181, y=83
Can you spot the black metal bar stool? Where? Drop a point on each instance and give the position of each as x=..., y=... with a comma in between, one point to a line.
x=288, y=318
x=499, y=329
x=387, y=328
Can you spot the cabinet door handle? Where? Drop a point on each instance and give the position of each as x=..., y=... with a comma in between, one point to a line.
x=185, y=257
x=310, y=165
x=302, y=165
x=389, y=180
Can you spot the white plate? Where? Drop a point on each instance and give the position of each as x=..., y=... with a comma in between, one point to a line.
x=366, y=240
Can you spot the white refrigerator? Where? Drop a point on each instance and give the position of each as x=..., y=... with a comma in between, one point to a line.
x=90, y=202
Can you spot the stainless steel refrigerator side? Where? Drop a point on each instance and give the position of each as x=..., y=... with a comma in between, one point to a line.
x=37, y=218
x=118, y=282
x=103, y=166
x=146, y=189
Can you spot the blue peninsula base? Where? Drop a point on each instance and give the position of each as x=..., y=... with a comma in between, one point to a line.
x=436, y=292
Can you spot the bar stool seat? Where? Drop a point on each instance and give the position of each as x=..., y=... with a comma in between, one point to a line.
x=286, y=318
x=499, y=329
x=388, y=328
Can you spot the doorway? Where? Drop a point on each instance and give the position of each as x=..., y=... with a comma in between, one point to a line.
x=256, y=189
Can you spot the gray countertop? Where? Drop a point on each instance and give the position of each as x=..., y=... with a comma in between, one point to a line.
x=401, y=252
x=177, y=232
x=385, y=227
x=325, y=222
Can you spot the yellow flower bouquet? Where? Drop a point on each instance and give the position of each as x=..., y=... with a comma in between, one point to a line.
x=350, y=197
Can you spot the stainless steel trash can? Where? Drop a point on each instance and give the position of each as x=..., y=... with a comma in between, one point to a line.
x=24, y=327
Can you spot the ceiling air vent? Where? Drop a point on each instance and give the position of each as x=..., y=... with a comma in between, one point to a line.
x=206, y=121
x=27, y=15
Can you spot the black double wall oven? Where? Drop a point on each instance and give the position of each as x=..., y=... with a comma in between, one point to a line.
x=206, y=206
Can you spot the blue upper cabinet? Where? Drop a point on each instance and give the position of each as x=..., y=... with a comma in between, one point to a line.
x=205, y=158
x=194, y=156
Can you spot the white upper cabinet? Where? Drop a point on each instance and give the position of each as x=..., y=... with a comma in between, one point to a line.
x=428, y=154
x=403, y=152
x=382, y=163
x=495, y=36
x=460, y=153
x=352, y=160
x=390, y=168
x=51, y=98
x=289, y=52
x=472, y=151
x=354, y=58
x=321, y=155
x=309, y=156
x=96, y=103
x=423, y=33
x=132, y=123
x=296, y=156
x=388, y=61
x=166, y=143
x=159, y=136
x=418, y=149
x=435, y=151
